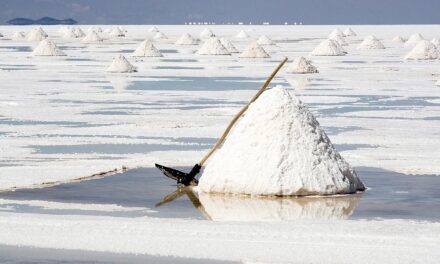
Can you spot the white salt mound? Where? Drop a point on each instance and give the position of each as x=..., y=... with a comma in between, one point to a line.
x=79, y=33
x=437, y=83
x=206, y=33
x=424, y=50
x=92, y=37
x=36, y=34
x=436, y=42
x=242, y=35
x=147, y=49
x=329, y=47
x=186, y=39
x=278, y=148
x=348, y=32
x=265, y=40
x=69, y=34
x=154, y=29
x=47, y=48
x=413, y=40
x=18, y=35
x=301, y=65
x=159, y=35
x=371, y=42
x=254, y=51
x=116, y=32
x=398, y=39
x=121, y=65
x=228, y=45
x=213, y=46
x=339, y=39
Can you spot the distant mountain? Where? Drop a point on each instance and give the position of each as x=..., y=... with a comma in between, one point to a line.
x=41, y=21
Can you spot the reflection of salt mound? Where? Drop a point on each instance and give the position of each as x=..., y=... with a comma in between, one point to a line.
x=301, y=65
x=116, y=32
x=242, y=35
x=186, y=39
x=329, y=47
x=245, y=208
x=18, y=36
x=213, y=46
x=159, y=36
x=92, y=37
x=371, y=42
x=265, y=40
x=436, y=42
x=299, y=81
x=120, y=84
x=254, y=51
x=278, y=148
x=120, y=65
x=206, y=33
x=154, y=29
x=398, y=39
x=79, y=33
x=413, y=40
x=341, y=41
x=228, y=45
x=36, y=34
x=424, y=50
x=47, y=48
x=348, y=32
x=147, y=49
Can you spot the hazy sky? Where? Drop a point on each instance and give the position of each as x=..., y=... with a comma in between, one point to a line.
x=256, y=11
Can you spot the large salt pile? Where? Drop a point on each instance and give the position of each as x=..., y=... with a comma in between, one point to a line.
x=186, y=39
x=254, y=51
x=278, y=148
x=436, y=42
x=213, y=46
x=265, y=40
x=160, y=36
x=242, y=35
x=47, y=48
x=398, y=39
x=92, y=37
x=116, y=32
x=348, y=32
x=424, y=50
x=121, y=65
x=147, y=49
x=413, y=40
x=329, y=47
x=228, y=45
x=18, y=35
x=371, y=42
x=301, y=65
x=206, y=33
x=36, y=34
x=154, y=29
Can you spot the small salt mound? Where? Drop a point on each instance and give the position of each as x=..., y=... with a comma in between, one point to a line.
x=341, y=41
x=92, y=37
x=18, y=36
x=371, y=42
x=413, y=40
x=213, y=46
x=278, y=148
x=254, y=51
x=69, y=34
x=424, y=50
x=154, y=29
x=116, y=32
x=336, y=32
x=96, y=29
x=186, y=39
x=36, y=34
x=437, y=83
x=79, y=33
x=228, y=45
x=265, y=40
x=329, y=47
x=398, y=39
x=47, y=48
x=147, y=49
x=1, y=35
x=242, y=35
x=436, y=42
x=206, y=33
x=121, y=65
x=301, y=65
x=159, y=36
x=348, y=32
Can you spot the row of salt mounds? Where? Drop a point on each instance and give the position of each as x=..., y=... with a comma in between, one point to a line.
x=348, y=32
x=121, y=65
x=254, y=51
x=186, y=39
x=213, y=46
x=160, y=36
x=92, y=37
x=228, y=45
x=302, y=66
x=72, y=33
x=329, y=47
x=18, y=35
x=242, y=35
x=413, y=40
x=265, y=40
x=278, y=148
x=424, y=50
x=47, y=48
x=36, y=34
x=371, y=42
x=147, y=49
x=398, y=39
x=206, y=34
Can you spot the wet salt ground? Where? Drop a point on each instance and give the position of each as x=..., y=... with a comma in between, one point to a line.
x=390, y=196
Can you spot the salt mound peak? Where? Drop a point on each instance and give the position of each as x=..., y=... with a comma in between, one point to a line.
x=398, y=39
x=424, y=50
x=92, y=37
x=154, y=29
x=36, y=34
x=18, y=35
x=79, y=33
x=254, y=51
x=206, y=33
x=47, y=48
x=228, y=45
x=301, y=65
x=336, y=32
x=242, y=35
x=121, y=65
x=278, y=148
x=69, y=34
x=159, y=35
x=341, y=40
x=116, y=32
x=329, y=47
x=186, y=39
x=265, y=40
x=414, y=39
x=436, y=42
x=147, y=49
x=371, y=42
x=213, y=46
x=348, y=32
